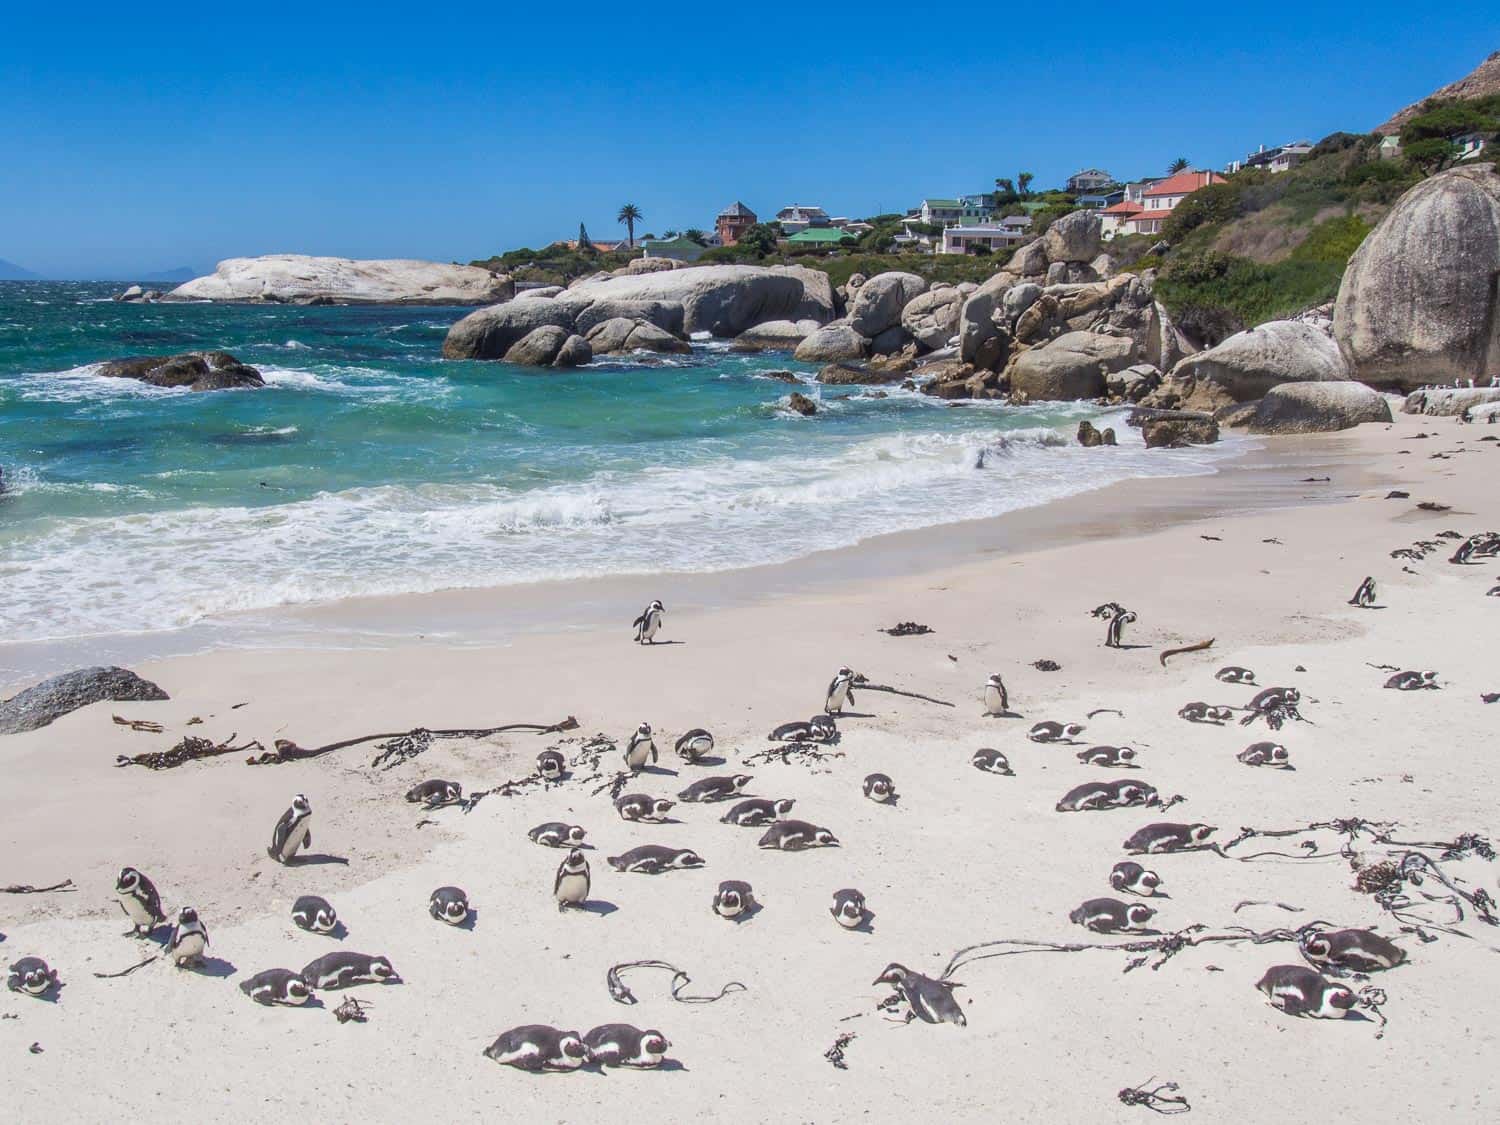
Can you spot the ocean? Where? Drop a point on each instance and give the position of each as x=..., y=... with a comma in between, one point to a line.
x=370, y=465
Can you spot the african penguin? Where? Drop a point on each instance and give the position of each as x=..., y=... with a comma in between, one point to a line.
x=1155, y=839
x=1120, y=757
x=734, y=899
x=640, y=806
x=1265, y=754
x=188, y=939
x=620, y=1044
x=550, y=765
x=571, y=887
x=992, y=761
x=996, y=698
x=1413, y=681
x=640, y=749
x=1089, y=795
x=139, y=901
x=277, y=986
x=819, y=728
x=537, y=1047
x=1199, y=712
x=848, y=908
x=755, y=812
x=344, y=968
x=1234, y=674
x=315, y=914
x=880, y=789
x=928, y=1000
x=1275, y=704
x=1134, y=879
x=840, y=692
x=694, y=745
x=1110, y=915
x=796, y=836
x=1364, y=597
x=293, y=831
x=449, y=904
x=435, y=792
x=1299, y=991
x=1355, y=951
x=653, y=859
x=716, y=788
x=556, y=834
x=647, y=624
x=1054, y=732
x=32, y=976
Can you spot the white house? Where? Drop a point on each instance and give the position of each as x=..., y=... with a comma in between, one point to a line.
x=992, y=236
x=1281, y=158
x=1159, y=200
x=798, y=217
x=1469, y=145
x=1390, y=148
x=1090, y=179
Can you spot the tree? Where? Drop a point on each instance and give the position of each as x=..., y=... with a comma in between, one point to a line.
x=584, y=245
x=1005, y=191
x=1181, y=164
x=759, y=239
x=630, y=214
x=1023, y=182
x=693, y=234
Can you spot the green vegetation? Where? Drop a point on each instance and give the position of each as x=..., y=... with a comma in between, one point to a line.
x=630, y=214
x=1181, y=164
x=553, y=265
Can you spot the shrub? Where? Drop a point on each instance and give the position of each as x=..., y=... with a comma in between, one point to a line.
x=1216, y=203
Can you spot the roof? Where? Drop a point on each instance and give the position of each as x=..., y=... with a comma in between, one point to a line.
x=951, y=203
x=736, y=210
x=820, y=234
x=982, y=229
x=1124, y=207
x=1183, y=183
x=806, y=209
x=1088, y=172
x=681, y=242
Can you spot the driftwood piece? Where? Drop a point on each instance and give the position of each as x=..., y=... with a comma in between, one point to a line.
x=865, y=685
x=127, y=972
x=288, y=751
x=1199, y=647
x=28, y=889
x=190, y=749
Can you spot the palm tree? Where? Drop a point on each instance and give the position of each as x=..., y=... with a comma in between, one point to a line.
x=1181, y=164
x=693, y=234
x=630, y=214
x=1023, y=181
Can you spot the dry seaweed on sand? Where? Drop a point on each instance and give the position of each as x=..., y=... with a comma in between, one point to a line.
x=146, y=726
x=907, y=629
x=28, y=889
x=1199, y=647
x=127, y=972
x=191, y=749
x=805, y=752
x=835, y=1053
x=620, y=994
x=866, y=685
x=352, y=1009
x=1153, y=1099
x=400, y=746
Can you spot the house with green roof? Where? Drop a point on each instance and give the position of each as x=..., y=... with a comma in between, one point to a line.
x=827, y=237
x=680, y=249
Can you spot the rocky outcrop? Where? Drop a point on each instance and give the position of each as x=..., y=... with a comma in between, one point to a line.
x=725, y=300
x=931, y=318
x=1029, y=260
x=1132, y=384
x=1315, y=408
x=620, y=334
x=1447, y=401
x=550, y=346
x=800, y=403
x=588, y=311
x=1074, y=365
x=1074, y=237
x=538, y=291
x=775, y=336
x=135, y=294
x=299, y=279
x=845, y=374
x=50, y=700
x=983, y=321
x=832, y=342
x=1248, y=364
x=197, y=371
x=490, y=333
x=879, y=302
x=1419, y=302
x=1176, y=429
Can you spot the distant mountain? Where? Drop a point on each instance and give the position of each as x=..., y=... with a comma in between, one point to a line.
x=9, y=271
x=1483, y=81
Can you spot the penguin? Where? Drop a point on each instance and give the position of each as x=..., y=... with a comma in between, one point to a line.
x=1117, y=617
x=1266, y=754
x=1155, y=839
x=796, y=836
x=1199, y=712
x=1466, y=549
x=756, y=812
x=1299, y=991
x=1364, y=596
x=694, y=745
x=640, y=749
x=449, y=904
x=992, y=761
x=639, y=806
x=1089, y=795
x=1413, y=681
x=344, y=968
x=716, y=788
x=32, y=976
x=928, y=1000
x=550, y=765
x=556, y=834
x=996, y=698
x=819, y=728
x=1134, y=794
x=435, y=793
x=840, y=692
x=1234, y=674
x=537, y=1047
x=620, y=1044
x=653, y=859
x=571, y=887
x=1110, y=915
x=188, y=939
x=1134, y=879
x=1354, y=951
x=880, y=789
x=1115, y=757
x=848, y=908
x=277, y=986
x=1054, y=732
x=734, y=899
x=314, y=914
x=647, y=624
x=139, y=901
x=1275, y=705
x=293, y=831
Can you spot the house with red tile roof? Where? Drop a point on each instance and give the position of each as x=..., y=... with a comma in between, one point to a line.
x=1114, y=217
x=1159, y=200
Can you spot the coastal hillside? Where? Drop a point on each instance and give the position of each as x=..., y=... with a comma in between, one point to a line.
x=1481, y=82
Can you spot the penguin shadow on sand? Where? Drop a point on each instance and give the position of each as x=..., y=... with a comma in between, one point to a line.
x=469, y=922
x=866, y=924
x=207, y=966
x=338, y=933
x=315, y=859
x=597, y=906
x=709, y=761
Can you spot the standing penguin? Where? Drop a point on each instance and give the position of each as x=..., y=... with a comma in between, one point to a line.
x=1364, y=597
x=840, y=692
x=928, y=1000
x=571, y=888
x=1117, y=617
x=139, y=900
x=996, y=698
x=640, y=749
x=647, y=624
x=188, y=939
x=293, y=831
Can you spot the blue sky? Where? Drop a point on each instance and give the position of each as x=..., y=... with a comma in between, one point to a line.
x=134, y=137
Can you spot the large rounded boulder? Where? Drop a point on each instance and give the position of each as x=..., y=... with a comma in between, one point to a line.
x=932, y=317
x=1074, y=365
x=1316, y=408
x=1250, y=363
x=831, y=343
x=1418, y=302
x=1075, y=237
x=490, y=333
x=878, y=303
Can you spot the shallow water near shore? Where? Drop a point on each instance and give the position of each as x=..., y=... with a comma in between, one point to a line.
x=370, y=467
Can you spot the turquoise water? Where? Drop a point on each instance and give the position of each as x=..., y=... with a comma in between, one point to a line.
x=369, y=465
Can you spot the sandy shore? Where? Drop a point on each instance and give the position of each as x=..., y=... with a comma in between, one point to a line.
x=965, y=857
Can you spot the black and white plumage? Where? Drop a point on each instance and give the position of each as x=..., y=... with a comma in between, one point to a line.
x=32, y=976
x=1275, y=705
x=1200, y=712
x=992, y=761
x=1108, y=795
x=928, y=1000
x=345, y=968
x=1114, y=757
x=1476, y=547
x=880, y=789
x=1110, y=915
x=716, y=788
x=1364, y=596
x=694, y=744
x=551, y=765
x=188, y=939
x=640, y=749
x=571, y=887
x=648, y=623
x=1413, y=681
x=1266, y=754
x=1234, y=674
x=622, y=1044
x=139, y=900
x=734, y=899
x=556, y=834
x=653, y=859
x=1353, y=951
x=819, y=728
x=1116, y=617
x=449, y=904
x=996, y=698
x=849, y=908
x=1132, y=878
x=277, y=986
x=840, y=691
x=435, y=792
x=756, y=812
x=537, y=1047
x=1054, y=732
x=1155, y=839
x=1299, y=991
x=315, y=914
x=642, y=806
x=796, y=836
x=293, y=831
